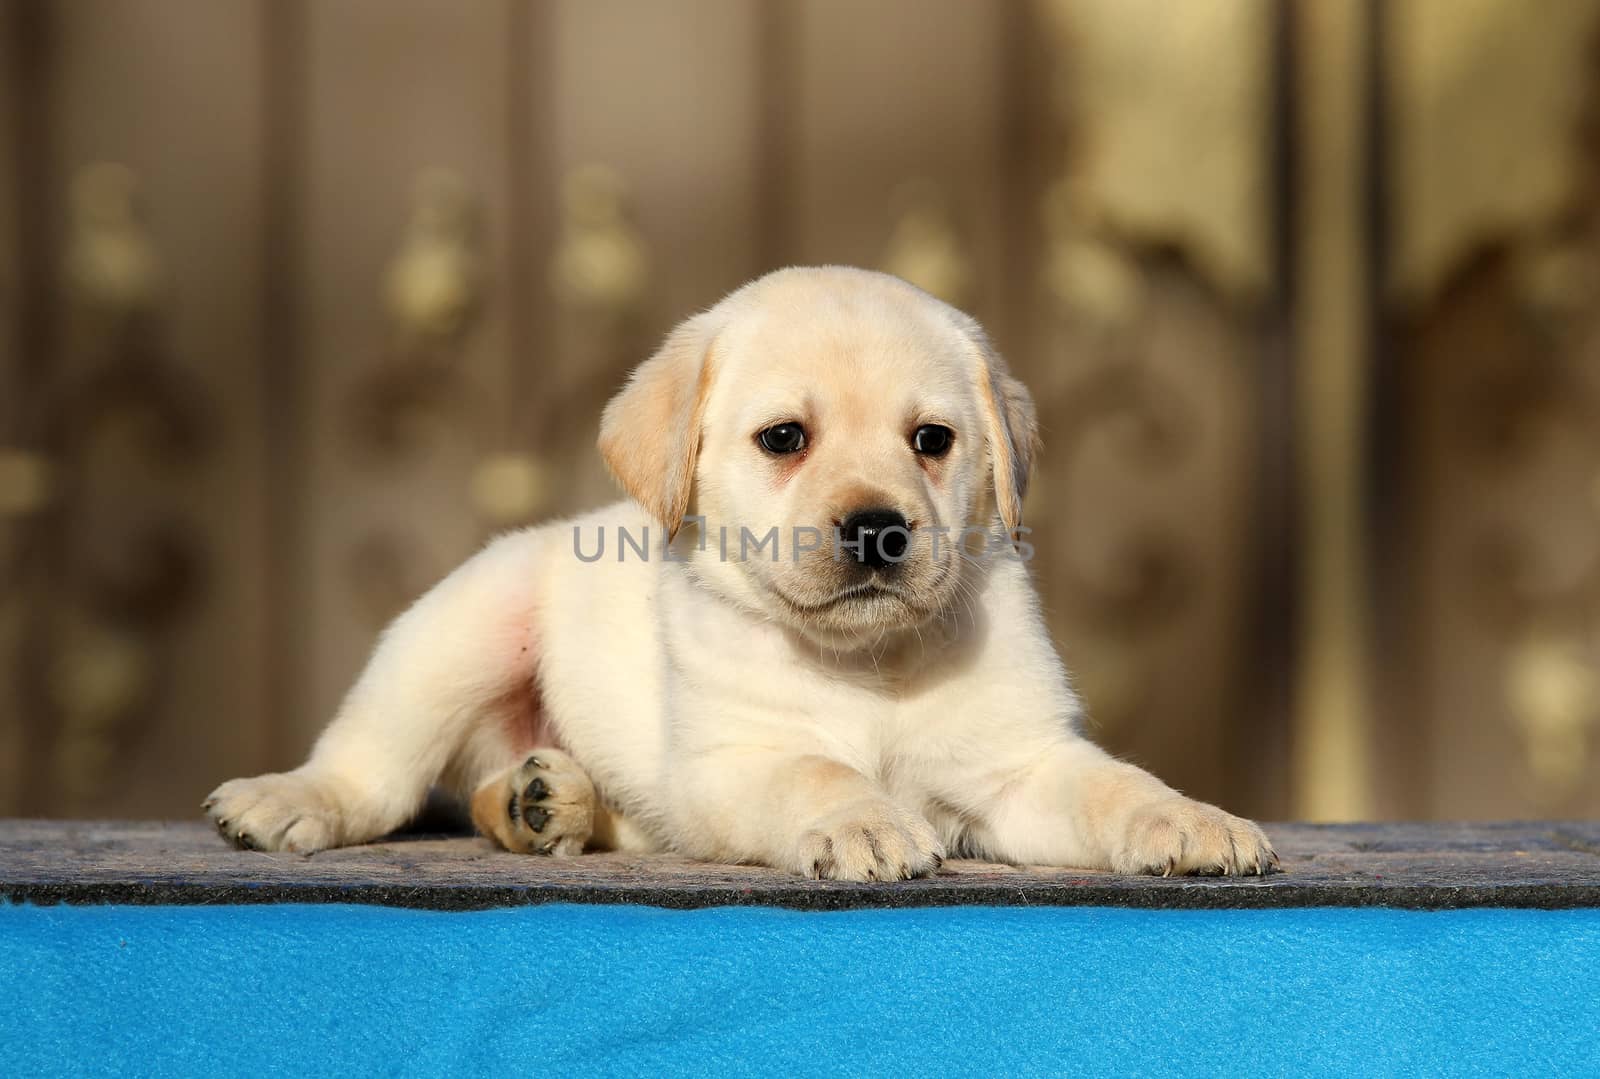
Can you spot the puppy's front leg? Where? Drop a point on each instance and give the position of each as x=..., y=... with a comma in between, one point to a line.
x=1077, y=805
x=805, y=813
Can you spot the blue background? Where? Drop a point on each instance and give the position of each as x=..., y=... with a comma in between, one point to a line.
x=560, y=990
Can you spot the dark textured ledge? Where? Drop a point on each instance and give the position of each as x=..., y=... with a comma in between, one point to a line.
x=1547, y=865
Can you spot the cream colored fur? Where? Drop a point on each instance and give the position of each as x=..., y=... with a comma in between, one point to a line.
x=756, y=709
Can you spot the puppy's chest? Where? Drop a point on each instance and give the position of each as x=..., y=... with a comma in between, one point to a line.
x=770, y=686
x=872, y=721
x=729, y=679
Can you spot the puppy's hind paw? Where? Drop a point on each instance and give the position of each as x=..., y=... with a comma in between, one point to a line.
x=276, y=812
x=546, y=805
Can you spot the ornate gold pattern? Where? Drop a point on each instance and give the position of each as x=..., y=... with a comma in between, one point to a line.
x=431, y=290
x=432, y=285
x=100, y=677
x=510, y=488
x=1553, y=695
x=27, y=482
x=1496, y=281
x=1486, y=99
x=600, y=267
x=1148, y=276
x=1139, y=324
x=924, y=247
x=601, y=277
x=1089, y=279
x=126, y=415
x=404, y=406
x=1167, y=138
x=112, y=265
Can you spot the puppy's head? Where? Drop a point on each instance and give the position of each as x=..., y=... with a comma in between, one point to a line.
x=836, y=430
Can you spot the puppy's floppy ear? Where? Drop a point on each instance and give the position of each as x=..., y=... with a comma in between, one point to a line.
x=650, y=431
x=1011, y=429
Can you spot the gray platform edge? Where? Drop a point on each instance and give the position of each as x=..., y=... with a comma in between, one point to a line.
x=1538, y=865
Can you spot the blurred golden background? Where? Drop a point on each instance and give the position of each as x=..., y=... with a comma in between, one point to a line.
x=302, y=299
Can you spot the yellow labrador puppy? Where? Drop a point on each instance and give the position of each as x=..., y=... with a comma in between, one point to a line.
x=808, y=640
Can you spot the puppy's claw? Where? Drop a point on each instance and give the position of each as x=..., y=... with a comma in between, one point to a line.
x=1176, y=836
x=869, y=842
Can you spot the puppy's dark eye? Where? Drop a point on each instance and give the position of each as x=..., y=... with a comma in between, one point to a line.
x=932, y=440
x=783, y=438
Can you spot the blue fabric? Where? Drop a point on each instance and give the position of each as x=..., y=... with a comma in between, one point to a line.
x=554, y=991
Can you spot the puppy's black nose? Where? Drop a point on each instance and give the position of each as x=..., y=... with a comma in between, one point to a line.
x=875, y=538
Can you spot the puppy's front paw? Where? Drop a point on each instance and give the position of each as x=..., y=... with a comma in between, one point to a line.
x=874, y=840
x=276, y=812
x=544, y=806
x=1180, y=835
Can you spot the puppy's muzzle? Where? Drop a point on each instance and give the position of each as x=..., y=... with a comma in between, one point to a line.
x=874, y=539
